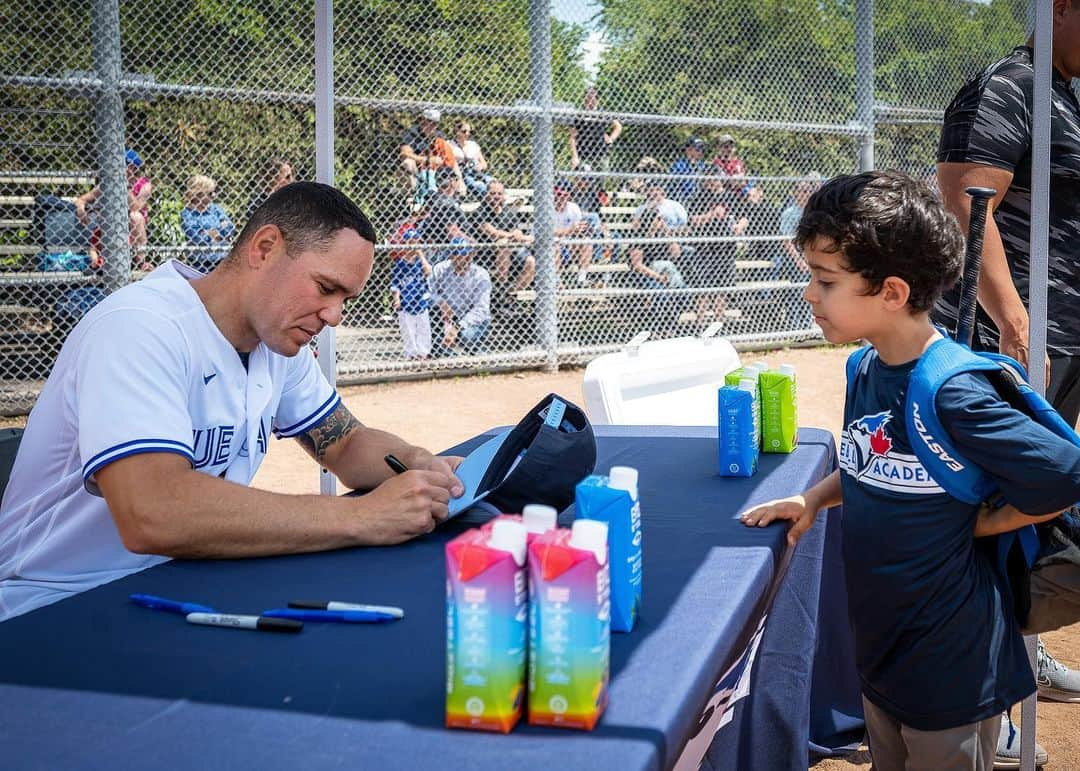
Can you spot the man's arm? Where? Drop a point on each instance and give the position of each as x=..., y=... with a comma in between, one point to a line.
x=616, y=129
x=162, y=506
x=85, y=200
x=354, y=452
x=575, y=161
x=493, y=232
x=997, y=292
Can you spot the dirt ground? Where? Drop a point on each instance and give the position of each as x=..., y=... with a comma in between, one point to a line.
x=439, y=413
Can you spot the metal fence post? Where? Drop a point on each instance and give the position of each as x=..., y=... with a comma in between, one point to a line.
x=324, y=172
x=109, y=125
x=543, y=179
x=1037, y=291
x=864, y=80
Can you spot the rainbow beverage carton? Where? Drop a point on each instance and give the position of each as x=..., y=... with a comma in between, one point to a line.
x=486, y=633
x=536, y=517
x=613, y=500
x=737, y=436
x=569, y=626
x=779, y=409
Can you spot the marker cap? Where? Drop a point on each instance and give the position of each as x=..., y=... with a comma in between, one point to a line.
x=539, y=518
x=590, y=535
x=507, y=535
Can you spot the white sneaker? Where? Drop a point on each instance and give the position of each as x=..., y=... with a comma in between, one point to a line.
x=1055, y=680
x=1008, y=747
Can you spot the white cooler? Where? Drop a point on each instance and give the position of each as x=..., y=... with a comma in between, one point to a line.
x=662, y=382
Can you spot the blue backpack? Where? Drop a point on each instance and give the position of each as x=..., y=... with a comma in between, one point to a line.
x=932, y=445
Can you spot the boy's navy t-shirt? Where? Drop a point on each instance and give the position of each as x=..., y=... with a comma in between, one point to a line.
x=936, y=642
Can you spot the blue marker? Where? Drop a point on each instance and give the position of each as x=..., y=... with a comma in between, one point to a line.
x=172, y=606
x=333, y=616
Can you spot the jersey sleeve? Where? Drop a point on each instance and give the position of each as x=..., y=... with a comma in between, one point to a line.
x=989, y=122
x=131, y=386
x=1037, y=471
x=307, y=399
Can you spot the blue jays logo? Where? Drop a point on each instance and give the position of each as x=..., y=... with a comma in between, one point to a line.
x=867, y=453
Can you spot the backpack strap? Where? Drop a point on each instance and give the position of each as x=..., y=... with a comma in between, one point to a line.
x=931, y=443
x=856, y=365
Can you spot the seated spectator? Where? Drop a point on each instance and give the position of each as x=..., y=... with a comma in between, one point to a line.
x=139, y=192
x=205, y=223
x=570, y=223
x=423, y=152
x=792, y=266
x=714, y=262
x=496, y=223
x=444, y=220
x=658, y=217
x=590, y=197
x=276, y=173
x=461, y=295
x=646, y=166
x=470, y=160
x=692, y=162
x=728, y=162
x=410, y=296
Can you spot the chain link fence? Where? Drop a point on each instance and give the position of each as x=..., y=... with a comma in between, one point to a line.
x=547, y=180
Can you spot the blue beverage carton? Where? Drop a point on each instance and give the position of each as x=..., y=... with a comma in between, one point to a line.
x=614, y=500
x=737, y=431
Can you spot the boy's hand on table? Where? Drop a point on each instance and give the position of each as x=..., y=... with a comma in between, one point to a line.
x=793, y=508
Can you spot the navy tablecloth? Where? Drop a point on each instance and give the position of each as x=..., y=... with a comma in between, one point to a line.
x=96, y=682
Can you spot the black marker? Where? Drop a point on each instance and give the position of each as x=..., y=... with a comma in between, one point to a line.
x=395, y=465
x=258, y=623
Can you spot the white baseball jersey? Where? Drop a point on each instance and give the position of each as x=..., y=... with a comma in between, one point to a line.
x=146, y=370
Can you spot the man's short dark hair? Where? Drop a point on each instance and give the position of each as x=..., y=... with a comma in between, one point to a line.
x=308, y=214
x=884, y=223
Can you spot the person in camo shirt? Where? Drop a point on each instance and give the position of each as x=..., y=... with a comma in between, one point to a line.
x=986, y=142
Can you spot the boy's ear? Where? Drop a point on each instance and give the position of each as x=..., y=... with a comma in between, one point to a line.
x=895, y=293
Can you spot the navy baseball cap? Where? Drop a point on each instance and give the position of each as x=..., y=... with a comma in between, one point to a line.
x=460, y=245
x=410, y=234
x=539, y=462
x=132, y=158
x=695, y=142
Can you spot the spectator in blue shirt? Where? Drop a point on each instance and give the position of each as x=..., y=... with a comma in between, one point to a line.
x=692, y=162
x=937, y=645
x=205, y=223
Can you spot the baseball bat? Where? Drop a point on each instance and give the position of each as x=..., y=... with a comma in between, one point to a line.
x=969, y=283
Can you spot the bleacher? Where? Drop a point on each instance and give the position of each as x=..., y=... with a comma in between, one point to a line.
x=30, y=330
x=615, y=299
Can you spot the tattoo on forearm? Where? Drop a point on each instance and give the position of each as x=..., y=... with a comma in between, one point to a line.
x=320, y=439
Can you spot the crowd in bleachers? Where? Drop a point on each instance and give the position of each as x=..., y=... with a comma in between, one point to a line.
x=686, y=226
x=461, y=253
